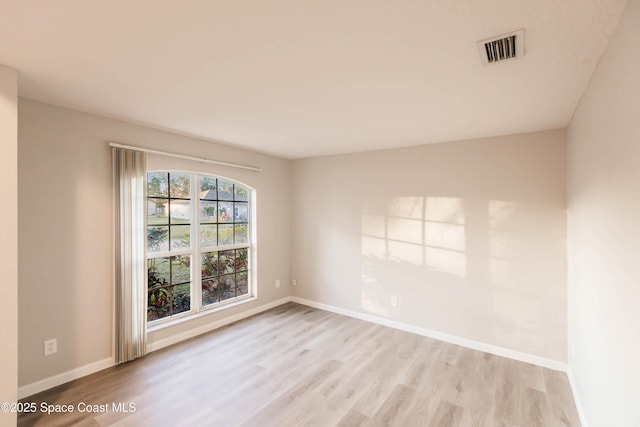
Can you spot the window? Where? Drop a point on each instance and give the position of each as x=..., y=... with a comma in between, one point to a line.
x=215, y=210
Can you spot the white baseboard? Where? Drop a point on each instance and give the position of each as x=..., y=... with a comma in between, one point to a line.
x=476, y=345
x=576, y=398
x=174, y=339
x=92, y=368
x=65, y=377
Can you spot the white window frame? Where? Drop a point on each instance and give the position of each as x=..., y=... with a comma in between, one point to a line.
x=195, y=251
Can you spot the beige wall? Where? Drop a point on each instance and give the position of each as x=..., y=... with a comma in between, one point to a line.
x=9, y=238
x=469, y=235
x=604, y=234
x=66, y=225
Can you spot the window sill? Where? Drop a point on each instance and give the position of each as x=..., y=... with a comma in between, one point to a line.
x=204, y=311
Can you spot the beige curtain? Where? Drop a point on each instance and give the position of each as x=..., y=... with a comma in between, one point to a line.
x=129, y=169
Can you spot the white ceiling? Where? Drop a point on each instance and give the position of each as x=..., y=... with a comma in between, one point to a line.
x=300, y=78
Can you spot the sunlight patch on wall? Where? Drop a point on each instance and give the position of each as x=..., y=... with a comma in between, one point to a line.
x=442, y=235
x=418, y=231
x=447, y=261
x=406, y=252
x=405, y=230
x=406, y=207
x=445, y=209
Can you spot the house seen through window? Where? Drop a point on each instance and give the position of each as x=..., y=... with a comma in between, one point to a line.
x=198, y=243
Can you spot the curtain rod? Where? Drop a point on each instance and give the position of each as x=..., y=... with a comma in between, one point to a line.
x=182, y=156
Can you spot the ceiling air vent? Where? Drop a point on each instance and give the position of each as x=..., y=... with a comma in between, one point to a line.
x=502, y=48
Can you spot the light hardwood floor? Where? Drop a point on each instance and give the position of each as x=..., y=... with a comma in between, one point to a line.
x=299, y=366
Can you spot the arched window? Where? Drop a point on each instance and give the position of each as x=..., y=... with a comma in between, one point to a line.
x=198, y=243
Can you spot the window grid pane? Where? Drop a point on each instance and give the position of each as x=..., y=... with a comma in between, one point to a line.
x=224, y=275
x=224, y=212
x=225, y=204
x=169, y=286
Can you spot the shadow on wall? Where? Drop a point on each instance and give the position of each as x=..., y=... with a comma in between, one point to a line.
x=469, y=255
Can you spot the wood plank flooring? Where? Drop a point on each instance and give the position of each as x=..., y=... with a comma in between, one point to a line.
x=299, y=366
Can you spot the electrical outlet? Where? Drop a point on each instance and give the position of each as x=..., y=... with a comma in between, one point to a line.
x=278, y=283
x=294, y=282
x=50, y=347
x=394, y=301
